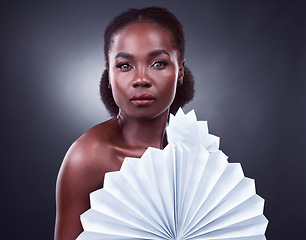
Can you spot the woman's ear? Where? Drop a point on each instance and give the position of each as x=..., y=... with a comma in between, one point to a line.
x=181, y=73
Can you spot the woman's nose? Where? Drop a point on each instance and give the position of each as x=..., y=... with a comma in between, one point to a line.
x=142, y=80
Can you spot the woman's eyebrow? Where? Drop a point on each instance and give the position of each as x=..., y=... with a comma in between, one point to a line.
x=124, y=55
x=157, y=52
x=151, y=54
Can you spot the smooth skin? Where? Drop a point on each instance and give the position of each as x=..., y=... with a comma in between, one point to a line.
x=144, y=72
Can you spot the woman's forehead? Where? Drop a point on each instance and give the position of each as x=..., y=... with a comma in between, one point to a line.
x=142, y=35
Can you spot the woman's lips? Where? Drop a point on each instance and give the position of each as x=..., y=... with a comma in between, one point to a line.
x=142, y=99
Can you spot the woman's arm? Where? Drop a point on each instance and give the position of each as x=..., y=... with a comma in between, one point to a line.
x=80, y=174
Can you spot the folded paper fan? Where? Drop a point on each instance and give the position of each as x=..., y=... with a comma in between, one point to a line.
x=186, y=191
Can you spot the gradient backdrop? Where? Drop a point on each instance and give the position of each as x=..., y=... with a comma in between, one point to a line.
x=248, y=59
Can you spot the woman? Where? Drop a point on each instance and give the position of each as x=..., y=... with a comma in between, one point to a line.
x=144, y=80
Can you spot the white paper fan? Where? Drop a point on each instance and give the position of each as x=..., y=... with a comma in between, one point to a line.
x=186, y=191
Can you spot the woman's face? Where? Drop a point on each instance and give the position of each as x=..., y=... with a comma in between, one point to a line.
x=143, y=70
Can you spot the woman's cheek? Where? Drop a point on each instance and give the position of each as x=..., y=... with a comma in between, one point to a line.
x=170, y=81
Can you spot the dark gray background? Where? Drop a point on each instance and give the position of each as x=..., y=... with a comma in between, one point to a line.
x=248, y=58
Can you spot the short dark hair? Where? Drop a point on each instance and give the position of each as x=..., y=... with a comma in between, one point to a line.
x=165, y=19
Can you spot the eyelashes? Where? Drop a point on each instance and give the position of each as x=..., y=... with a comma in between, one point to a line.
x=124, y=66
x=127, y=66
x=160, y=64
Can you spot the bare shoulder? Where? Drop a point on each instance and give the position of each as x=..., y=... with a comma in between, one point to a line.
x=82, y=156
x=84, y=153
x=87, y=160
x=82, y=172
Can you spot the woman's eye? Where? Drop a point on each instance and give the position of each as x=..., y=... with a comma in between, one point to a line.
x=124, y=66
x=159, y=64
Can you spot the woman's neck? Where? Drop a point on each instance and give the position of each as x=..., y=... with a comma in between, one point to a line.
x=143, y=133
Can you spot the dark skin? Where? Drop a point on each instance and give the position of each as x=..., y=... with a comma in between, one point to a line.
x=144, y=71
